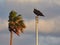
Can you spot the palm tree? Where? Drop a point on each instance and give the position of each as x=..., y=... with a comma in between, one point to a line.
x=16, y=24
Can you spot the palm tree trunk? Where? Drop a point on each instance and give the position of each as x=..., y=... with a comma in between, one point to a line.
x=11, y=36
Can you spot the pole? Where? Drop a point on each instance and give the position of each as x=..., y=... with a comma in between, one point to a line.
x=36, y=29
x=11, y=36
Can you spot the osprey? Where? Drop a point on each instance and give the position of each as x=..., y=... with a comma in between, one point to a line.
x=37, y=12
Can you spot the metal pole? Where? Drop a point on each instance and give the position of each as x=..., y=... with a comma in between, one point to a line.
x=11, y=36
x=36, y=29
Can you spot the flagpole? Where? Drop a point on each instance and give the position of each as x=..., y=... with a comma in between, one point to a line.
x=11, y=36
x=36, y=29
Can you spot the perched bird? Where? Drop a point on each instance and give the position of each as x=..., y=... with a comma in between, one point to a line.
x=37, y=12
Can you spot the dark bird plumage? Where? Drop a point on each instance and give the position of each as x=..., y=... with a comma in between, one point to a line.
x=37, y=12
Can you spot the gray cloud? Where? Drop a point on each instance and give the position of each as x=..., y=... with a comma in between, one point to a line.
x=50, y=8
x=49, y=40
x=46, y=27
x=29, y=39
x=3, y=24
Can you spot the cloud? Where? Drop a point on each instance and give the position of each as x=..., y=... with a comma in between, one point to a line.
x=3, y=24
x=24, y=1
x=52, y=2
x=30, y=25
x=29, y=39
x=25, y=39
x=45, y=26
x=49, y=40
x=57, y=2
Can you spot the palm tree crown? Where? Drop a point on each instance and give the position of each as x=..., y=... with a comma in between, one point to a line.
x=16, y=23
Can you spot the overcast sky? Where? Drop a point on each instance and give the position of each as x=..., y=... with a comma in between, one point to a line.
x=49, y=26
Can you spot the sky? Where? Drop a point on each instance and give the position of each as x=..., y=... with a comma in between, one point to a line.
x=49, y=26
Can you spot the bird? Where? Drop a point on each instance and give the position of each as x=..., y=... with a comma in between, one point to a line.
x=37, y=12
